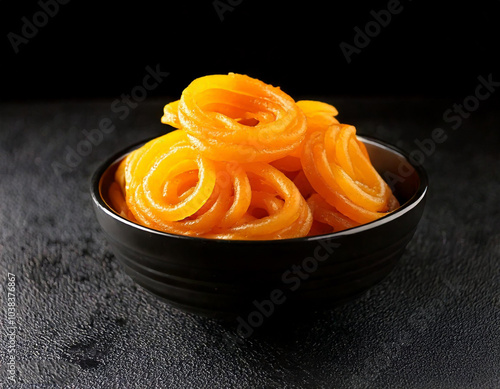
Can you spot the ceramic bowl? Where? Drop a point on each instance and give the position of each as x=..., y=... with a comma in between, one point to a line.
x=224, y=278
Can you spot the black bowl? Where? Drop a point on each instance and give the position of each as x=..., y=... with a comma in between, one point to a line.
x=223, y=278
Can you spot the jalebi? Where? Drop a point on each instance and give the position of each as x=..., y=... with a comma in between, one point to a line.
x=237, y=118
x=247, y=162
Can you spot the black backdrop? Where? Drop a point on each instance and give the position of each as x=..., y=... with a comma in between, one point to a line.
x=82, y=323
x=100, y=49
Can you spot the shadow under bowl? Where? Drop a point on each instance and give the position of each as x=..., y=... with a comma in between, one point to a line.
x=227, y=278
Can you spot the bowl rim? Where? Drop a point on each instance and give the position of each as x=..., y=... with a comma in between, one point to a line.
x=418, y=196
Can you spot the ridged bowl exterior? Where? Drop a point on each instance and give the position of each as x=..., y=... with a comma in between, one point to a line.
x=222, y=278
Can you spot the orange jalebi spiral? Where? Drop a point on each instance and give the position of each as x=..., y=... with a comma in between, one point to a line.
x=286, y=214
x=242, y=164
x=167, y=185
x=237, y=118
x=338, y=168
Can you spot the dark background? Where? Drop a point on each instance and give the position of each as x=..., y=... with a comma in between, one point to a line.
x=100, y=49
x=83, y=323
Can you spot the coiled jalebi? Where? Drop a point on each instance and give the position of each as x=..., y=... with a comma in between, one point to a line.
x=237, y=118
x=338, y=167
x=242, y=164
x=169, y=186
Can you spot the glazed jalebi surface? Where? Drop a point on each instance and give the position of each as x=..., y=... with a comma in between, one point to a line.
x=338, y=167
x=247, y=162
x=238, y=118
x=167, y=185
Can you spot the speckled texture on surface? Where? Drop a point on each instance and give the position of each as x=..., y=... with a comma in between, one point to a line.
x=82, y=323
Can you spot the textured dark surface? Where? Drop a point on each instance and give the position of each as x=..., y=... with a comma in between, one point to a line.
x=81, y=322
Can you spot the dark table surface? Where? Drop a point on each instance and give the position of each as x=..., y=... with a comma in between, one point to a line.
x=80, y=322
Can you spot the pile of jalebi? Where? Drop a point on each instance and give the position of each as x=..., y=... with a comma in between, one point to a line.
x=247, y=162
